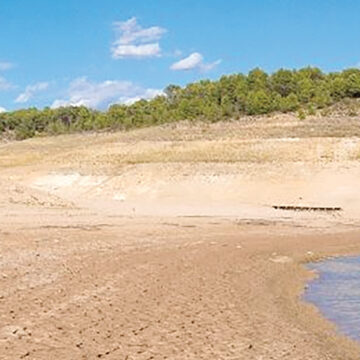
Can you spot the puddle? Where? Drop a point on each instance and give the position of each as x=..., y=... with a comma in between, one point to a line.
x=336, y=292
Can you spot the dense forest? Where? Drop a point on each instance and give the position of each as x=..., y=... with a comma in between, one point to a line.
x=302, y=91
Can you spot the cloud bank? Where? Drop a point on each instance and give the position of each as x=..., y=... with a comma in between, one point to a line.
x=83, y=92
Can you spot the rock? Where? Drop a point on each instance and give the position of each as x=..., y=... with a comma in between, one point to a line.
x=281, y=259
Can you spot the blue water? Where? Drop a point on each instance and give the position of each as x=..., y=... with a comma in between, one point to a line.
x=336, y=292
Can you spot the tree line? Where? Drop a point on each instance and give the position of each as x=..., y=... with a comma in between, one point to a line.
x=231, y=96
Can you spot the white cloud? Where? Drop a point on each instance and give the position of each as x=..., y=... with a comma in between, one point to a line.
x=210, y=66
x=189, y=63
x=2, y=109
x=135, y=41
x=30, y=91
x=83, y=92
x=6, y=66
x=195, y=61
x=136, y=51
x=144, y=94
x=5, y=85
x=131, y=32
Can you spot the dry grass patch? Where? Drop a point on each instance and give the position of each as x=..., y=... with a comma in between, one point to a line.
x=256, y=151
x=276, y=138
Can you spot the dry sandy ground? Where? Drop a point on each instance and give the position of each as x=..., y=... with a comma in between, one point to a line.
x=163, y=244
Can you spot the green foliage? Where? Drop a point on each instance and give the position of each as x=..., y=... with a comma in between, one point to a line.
x=258, y=102
x=258, y=80
x=284, y=82
x=301, y=114
x=352, y=78
x=306, y=90
x=338, y=87
x=311, y=110
x=229, y=97
x=288, y=103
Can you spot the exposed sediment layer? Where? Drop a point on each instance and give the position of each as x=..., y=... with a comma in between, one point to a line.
x=107, y=252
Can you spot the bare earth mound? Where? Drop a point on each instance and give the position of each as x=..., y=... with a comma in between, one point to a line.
x=176, y=242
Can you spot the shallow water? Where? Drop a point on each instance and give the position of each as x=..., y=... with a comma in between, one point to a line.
x=336, y=292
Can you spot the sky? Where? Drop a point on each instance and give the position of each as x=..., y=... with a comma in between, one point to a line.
x=100, y=52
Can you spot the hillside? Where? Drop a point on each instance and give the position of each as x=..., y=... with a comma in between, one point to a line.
x=307, y=91
x=278, y=159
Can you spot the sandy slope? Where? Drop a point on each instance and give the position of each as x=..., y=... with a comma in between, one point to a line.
x=163, y=243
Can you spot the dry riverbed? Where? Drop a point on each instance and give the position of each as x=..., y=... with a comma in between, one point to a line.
x=108, y=252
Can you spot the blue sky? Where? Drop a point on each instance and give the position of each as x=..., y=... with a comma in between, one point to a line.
x=98, y=52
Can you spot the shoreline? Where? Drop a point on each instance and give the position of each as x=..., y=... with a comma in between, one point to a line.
x=345, y=347
x=243, y=283
x=319, y=268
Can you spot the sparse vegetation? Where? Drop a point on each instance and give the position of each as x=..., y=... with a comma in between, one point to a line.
x=303, y=91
